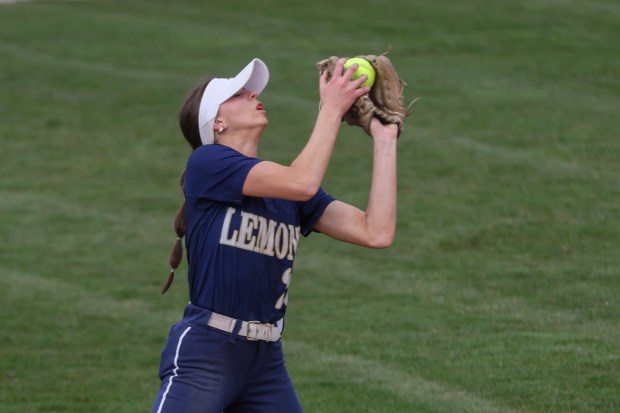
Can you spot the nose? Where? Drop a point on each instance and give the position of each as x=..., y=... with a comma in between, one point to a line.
x=252, y=94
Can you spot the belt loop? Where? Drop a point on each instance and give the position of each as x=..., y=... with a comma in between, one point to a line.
x=235, y=332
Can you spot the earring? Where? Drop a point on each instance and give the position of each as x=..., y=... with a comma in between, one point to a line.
x=220, y=130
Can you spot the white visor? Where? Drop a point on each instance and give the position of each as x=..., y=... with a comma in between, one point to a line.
x=253, y=77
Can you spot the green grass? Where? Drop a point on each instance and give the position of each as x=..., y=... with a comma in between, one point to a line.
x=500, y=293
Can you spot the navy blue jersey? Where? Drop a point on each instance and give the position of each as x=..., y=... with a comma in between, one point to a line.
x=240, y=249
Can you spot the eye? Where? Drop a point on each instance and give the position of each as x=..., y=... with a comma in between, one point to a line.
x=239, y=93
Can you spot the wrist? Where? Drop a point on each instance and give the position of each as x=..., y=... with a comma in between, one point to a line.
x=385, y=137
x=385, y=145
x=329, y=113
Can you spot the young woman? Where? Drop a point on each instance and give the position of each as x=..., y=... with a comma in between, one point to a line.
x=241, y=219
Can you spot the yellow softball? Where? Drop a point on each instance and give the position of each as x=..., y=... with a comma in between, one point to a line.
x=364, y=68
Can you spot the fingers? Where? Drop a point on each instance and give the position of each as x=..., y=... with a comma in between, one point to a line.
x=340, y=68
x=348, y=72
x=361, y=91
x=346, y=75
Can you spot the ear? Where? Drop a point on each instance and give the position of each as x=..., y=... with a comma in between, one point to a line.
x=217, y=124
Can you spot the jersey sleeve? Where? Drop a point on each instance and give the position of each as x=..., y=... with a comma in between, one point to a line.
x=217, y=173
x=312, y=210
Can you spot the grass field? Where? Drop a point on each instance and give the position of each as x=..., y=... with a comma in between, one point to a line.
x=501, y=291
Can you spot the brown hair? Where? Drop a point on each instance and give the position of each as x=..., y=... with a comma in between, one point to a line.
x=188, y=121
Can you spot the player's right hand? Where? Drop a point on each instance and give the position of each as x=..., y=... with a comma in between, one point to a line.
x=339, y=92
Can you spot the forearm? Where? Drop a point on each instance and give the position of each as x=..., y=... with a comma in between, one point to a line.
x=312, y=162
x=380, y=217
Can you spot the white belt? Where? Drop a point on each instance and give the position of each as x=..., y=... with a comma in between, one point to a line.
x=252, y=330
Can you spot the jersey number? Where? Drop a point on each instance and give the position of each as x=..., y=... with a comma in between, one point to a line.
x=286, y=279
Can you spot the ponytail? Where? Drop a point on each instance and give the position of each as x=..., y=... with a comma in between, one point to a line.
x=188, y=121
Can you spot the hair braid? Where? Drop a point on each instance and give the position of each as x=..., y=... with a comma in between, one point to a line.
x=176, y=255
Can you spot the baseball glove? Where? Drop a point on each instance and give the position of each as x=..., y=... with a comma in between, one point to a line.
x=385, y=100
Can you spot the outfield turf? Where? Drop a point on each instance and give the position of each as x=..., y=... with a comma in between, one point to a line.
x=501, y=291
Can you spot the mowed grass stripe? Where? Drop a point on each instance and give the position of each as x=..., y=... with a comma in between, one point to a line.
x=29, y=56
x=410, y=388
x=76, y=300
x=71, y=206
x=534, y=160
x=494, y=310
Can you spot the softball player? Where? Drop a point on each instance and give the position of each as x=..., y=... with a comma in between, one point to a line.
x=242, y=218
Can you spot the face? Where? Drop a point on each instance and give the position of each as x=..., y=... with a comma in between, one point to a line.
x=243, y=111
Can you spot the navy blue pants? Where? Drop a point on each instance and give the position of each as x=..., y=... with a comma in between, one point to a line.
x=205, y=370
